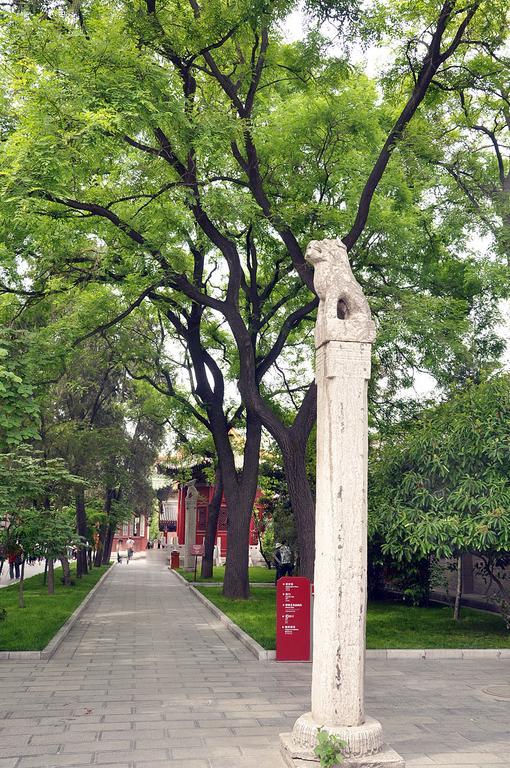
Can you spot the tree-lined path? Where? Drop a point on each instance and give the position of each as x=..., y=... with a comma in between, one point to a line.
x=149, y=678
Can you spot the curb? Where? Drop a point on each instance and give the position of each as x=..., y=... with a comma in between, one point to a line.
x=260, y=653
x=438, y=653
x=64, y=630
x=214, y=583
x=178, y=576
x=386, y=654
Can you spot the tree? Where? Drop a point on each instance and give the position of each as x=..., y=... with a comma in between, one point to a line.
x=440, y=485
x=33, y=496
x=105, y=426
x=195, y=179
x=19, y=414
x=469, y=143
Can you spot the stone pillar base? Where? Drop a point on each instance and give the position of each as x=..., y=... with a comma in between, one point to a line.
x=364, y=747
x=296, y=757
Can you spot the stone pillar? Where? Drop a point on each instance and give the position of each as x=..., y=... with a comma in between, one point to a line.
x=218, y=548
x=190, y=530
x=343, y=339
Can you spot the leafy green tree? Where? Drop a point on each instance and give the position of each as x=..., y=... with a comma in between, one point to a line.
x=19, y=416
x=188, y=165
x=104, y=425
x=34, y=492
x=440, y=485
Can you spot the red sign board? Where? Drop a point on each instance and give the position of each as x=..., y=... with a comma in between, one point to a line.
x=293, y=619
x=197, y=550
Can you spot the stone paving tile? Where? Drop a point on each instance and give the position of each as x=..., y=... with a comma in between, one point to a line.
x=148, y=678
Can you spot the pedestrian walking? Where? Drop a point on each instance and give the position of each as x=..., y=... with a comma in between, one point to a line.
x=118, y=550
x=130, y=544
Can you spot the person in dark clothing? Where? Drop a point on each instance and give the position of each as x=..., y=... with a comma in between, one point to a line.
x=284, y=560
x=14, y=564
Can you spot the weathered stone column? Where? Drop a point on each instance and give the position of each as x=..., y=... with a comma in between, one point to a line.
x=190, y=530
x=343, y=339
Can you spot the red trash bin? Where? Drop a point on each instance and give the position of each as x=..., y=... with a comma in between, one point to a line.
x=174, y=559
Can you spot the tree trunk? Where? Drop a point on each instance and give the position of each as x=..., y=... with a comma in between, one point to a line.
x=292, y=442
x=45, y=575
x=82, y=530
x=240, y=491
x=66, y=570
x=301, y=500
x=106, y=539
x=21, y=594
x=103, y=529
x=236, y=583
x=213, y=513
x=98, y=557
x=107, y=552
x=239, y=487
x=424, y=572
x=51, y=576
x=458, y=592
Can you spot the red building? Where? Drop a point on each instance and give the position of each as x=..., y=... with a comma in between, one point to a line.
x=136, y=528
x=171, y=494
x=205, y=494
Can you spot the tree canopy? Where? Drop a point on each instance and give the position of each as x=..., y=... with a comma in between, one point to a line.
x=180, y=156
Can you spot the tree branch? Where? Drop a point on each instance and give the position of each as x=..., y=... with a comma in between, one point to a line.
x=430, y=65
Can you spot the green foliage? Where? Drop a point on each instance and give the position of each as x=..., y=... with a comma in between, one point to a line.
x=28, y=479
x=121, y=188
x=19, y=414
x=33, y=495
x=265, y=529
x=329, y=749
x=441, y=485
x=277, y=519
x=154, y=532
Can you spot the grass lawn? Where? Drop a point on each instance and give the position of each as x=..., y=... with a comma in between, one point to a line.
x=389, y=625
x=258, y=574
x=31, y=628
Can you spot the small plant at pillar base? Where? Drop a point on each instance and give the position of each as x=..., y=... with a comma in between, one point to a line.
x=329, y=749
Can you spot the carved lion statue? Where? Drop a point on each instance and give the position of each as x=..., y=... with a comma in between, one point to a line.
x=343, y=309
x=333, y=278
x=192, y=492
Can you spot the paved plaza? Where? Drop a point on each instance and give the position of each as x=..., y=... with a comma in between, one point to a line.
x=149, y=678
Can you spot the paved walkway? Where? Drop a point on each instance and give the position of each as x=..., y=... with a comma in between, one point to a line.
x=149, y=678
x=30, y=570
